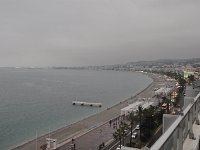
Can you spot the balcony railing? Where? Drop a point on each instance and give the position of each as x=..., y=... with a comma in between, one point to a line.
x=174, y=137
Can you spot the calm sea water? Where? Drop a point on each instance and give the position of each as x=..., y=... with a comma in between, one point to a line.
x=38, y=99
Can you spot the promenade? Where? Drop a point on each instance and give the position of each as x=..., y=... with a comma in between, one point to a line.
x=89, y=133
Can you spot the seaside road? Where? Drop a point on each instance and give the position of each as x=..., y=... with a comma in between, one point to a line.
x=79, y=129
x=116, y=143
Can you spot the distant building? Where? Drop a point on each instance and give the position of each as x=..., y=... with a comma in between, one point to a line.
x=188, y=70
x=187, y=73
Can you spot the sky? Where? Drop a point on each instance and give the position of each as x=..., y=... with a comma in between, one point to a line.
x=97, y=32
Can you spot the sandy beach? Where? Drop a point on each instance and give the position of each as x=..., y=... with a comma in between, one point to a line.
x=80, y=128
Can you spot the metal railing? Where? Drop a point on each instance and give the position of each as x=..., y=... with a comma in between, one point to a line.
x=175, y=135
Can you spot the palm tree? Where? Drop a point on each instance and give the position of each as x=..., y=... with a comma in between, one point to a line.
x=131, y=118
x=124, y=128
x=140, y=110
x=168, y=101
x=118, y=135
x=191, y=79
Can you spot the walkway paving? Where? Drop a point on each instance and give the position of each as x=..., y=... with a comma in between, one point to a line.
x=91, y=140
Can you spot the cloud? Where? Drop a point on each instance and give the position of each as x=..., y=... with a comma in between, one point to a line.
x=76, y=32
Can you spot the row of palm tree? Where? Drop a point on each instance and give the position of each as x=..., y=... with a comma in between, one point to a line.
x=148, y=119
x=120, y=133
x=132, y=118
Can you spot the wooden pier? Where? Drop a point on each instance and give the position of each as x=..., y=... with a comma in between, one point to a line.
x=86, y=104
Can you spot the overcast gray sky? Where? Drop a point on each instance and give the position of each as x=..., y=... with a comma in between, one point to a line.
x=97, y=32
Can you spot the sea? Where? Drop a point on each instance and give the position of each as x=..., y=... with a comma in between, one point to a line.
x=36, y=101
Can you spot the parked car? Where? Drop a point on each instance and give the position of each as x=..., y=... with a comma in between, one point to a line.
x=137, y=127
x=134, y=135
x=118, y=147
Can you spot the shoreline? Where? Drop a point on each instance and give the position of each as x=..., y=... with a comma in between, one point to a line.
x=87, y=124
